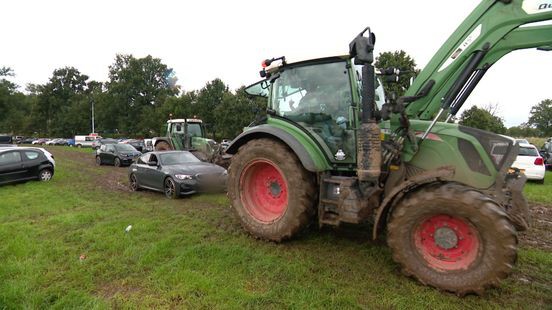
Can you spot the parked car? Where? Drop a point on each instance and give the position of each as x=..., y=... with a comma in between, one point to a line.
x=116, y=154
x=53, y=141
x=530, y=162
x=5, y=139
x=99, y=142
x=225, y=143
x=40, y=141
x=85, y=141
x=27, y=141
x=18, y=139
x=137, y=144
x=71, y=142
x=148, y=145
x=176, y=173
x=19, y=164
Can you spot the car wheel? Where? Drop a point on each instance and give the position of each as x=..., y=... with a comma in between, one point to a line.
x=133, y=183
x=117, y=162
x=170, y=188
x=98, y=161
x=45, y=175
x=540, y=181
x=79, y=146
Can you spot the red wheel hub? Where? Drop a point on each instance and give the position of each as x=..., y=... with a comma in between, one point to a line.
x=447, y=242
x=264, y=191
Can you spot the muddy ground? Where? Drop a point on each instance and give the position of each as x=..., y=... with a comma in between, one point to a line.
x=538, y=236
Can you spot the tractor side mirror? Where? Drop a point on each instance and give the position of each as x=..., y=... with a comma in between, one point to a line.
x=362, y=47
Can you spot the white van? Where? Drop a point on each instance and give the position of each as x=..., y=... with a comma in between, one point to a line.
x=85, y=141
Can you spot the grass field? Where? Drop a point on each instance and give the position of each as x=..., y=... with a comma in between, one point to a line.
x=63, y=245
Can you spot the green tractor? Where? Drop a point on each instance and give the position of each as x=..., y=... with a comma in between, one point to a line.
x=334, y=150
x=188, y=135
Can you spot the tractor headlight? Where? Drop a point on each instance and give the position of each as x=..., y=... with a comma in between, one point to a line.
x=183, y=176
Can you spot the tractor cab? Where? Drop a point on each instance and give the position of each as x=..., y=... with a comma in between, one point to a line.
x=322, y=97
x=186, y=134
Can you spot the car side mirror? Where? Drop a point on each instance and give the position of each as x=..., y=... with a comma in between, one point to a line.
x=152, y=163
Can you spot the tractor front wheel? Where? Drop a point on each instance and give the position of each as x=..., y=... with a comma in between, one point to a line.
x=163, y=146
x=271, y=192
x=453, y=238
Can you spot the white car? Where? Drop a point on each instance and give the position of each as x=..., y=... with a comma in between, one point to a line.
x=530, y=162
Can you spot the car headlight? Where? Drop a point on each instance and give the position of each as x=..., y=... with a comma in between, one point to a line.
x=183, y=176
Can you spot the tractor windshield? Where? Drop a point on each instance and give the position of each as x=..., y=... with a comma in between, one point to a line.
x=318, y=97
x=195, y=130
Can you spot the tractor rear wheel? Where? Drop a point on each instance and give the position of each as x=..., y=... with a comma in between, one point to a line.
x=271, y=192
x=453, y=238
x=163, y=146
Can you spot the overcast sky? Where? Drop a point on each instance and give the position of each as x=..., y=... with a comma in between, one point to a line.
x=203, y=40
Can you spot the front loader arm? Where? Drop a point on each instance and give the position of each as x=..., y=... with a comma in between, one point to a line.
x=491, y=31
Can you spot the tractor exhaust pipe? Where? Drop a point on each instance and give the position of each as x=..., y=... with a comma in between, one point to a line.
x=369, y=144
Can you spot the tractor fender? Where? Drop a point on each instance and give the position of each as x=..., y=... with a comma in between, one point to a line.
x=444, y=173
x=265, y=131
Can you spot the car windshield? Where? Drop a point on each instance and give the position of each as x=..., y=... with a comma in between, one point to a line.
x=125, y=148
x=528, y=151
x=179, y=158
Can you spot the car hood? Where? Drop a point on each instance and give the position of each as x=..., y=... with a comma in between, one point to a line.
x=194, y=168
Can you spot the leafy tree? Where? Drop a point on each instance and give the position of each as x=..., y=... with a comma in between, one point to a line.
x=399, y=60
x=522, y=131
x=541, y=117
x=136, y=88
x=483, y=119
x=237, y=111
x=66, y=87
x=208, y=99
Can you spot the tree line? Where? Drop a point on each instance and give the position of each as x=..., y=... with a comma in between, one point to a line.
x=140, y=95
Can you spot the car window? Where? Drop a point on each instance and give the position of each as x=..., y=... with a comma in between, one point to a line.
x=102, y=148
x=110, y=148
x=153, y=158
x=30, y=155
x=528, y=151
x=178, y=158
x=143, y=159
x=10, y=157
x=124, y=148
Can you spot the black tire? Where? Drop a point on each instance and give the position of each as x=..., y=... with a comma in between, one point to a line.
x=169, y=188
x=45, y=174
x=117, y=162
x=98, y=161
x=479, y=265
x=79, y=146
x=133, y=183
x=540, y=181
x=297, y=207
x=163, y=146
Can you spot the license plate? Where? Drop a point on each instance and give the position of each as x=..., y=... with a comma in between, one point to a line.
x=512, y=170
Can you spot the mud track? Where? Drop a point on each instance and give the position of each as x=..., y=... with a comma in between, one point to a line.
x=113, y=178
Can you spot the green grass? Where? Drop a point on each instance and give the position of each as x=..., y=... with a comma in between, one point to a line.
x=192, y=253
x=540, y=192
